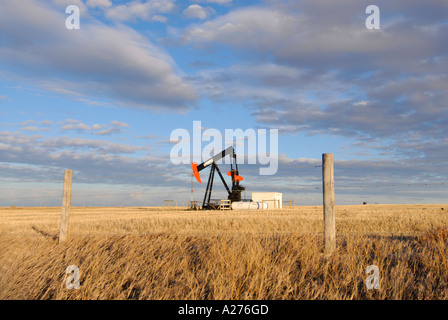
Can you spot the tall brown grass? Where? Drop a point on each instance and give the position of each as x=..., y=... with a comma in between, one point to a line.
x=148, y=253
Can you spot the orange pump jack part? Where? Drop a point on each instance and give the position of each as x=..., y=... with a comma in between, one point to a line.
x=237, y=178
x=194, y=166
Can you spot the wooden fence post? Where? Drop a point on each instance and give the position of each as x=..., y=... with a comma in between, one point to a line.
x=66, y=203
x=328, y=195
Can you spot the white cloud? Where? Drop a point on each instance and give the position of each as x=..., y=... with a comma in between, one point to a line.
x=115, y=127
x=77, y=126
x=159, y=18
x=30, y=128
x=331, y=74
x=99, y=3
x=362, y=103
x=96, y=126
x=114, y=62
x=27, y=122
x=72, y=121
x=135, y=10
x=195, y=11
x=249, y=27
x=108, y=131
x=56, y=87
x=65, y=3
x=302, y=35
x=119, y=124
x=219, y=1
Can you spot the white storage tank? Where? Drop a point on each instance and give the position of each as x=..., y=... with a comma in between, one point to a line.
x=273, y=199
x=246, y=205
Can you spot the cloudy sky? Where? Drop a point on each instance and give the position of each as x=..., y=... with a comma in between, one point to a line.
x=103, y=99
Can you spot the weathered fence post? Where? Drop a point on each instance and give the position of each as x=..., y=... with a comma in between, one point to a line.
x=328, y=195
x=66, y=203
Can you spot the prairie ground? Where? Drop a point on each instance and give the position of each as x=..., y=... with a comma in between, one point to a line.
x=156, y=253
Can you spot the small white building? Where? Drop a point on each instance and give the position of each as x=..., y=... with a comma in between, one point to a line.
x=273, y=199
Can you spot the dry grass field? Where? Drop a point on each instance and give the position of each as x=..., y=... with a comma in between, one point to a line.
x=152, y=253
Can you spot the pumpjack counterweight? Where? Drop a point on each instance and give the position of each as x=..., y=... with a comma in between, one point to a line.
x=234, y=194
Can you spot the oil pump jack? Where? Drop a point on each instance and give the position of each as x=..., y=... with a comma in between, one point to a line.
x=234, y=195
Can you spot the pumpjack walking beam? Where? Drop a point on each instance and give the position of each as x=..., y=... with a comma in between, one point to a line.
x=235, y=193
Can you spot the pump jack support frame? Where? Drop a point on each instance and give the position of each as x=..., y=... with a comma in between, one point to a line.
x=234, y=194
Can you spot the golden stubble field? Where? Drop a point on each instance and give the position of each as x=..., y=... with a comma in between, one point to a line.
x=155, y=253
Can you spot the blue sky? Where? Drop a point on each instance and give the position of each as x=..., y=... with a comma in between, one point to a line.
x=103, y=99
